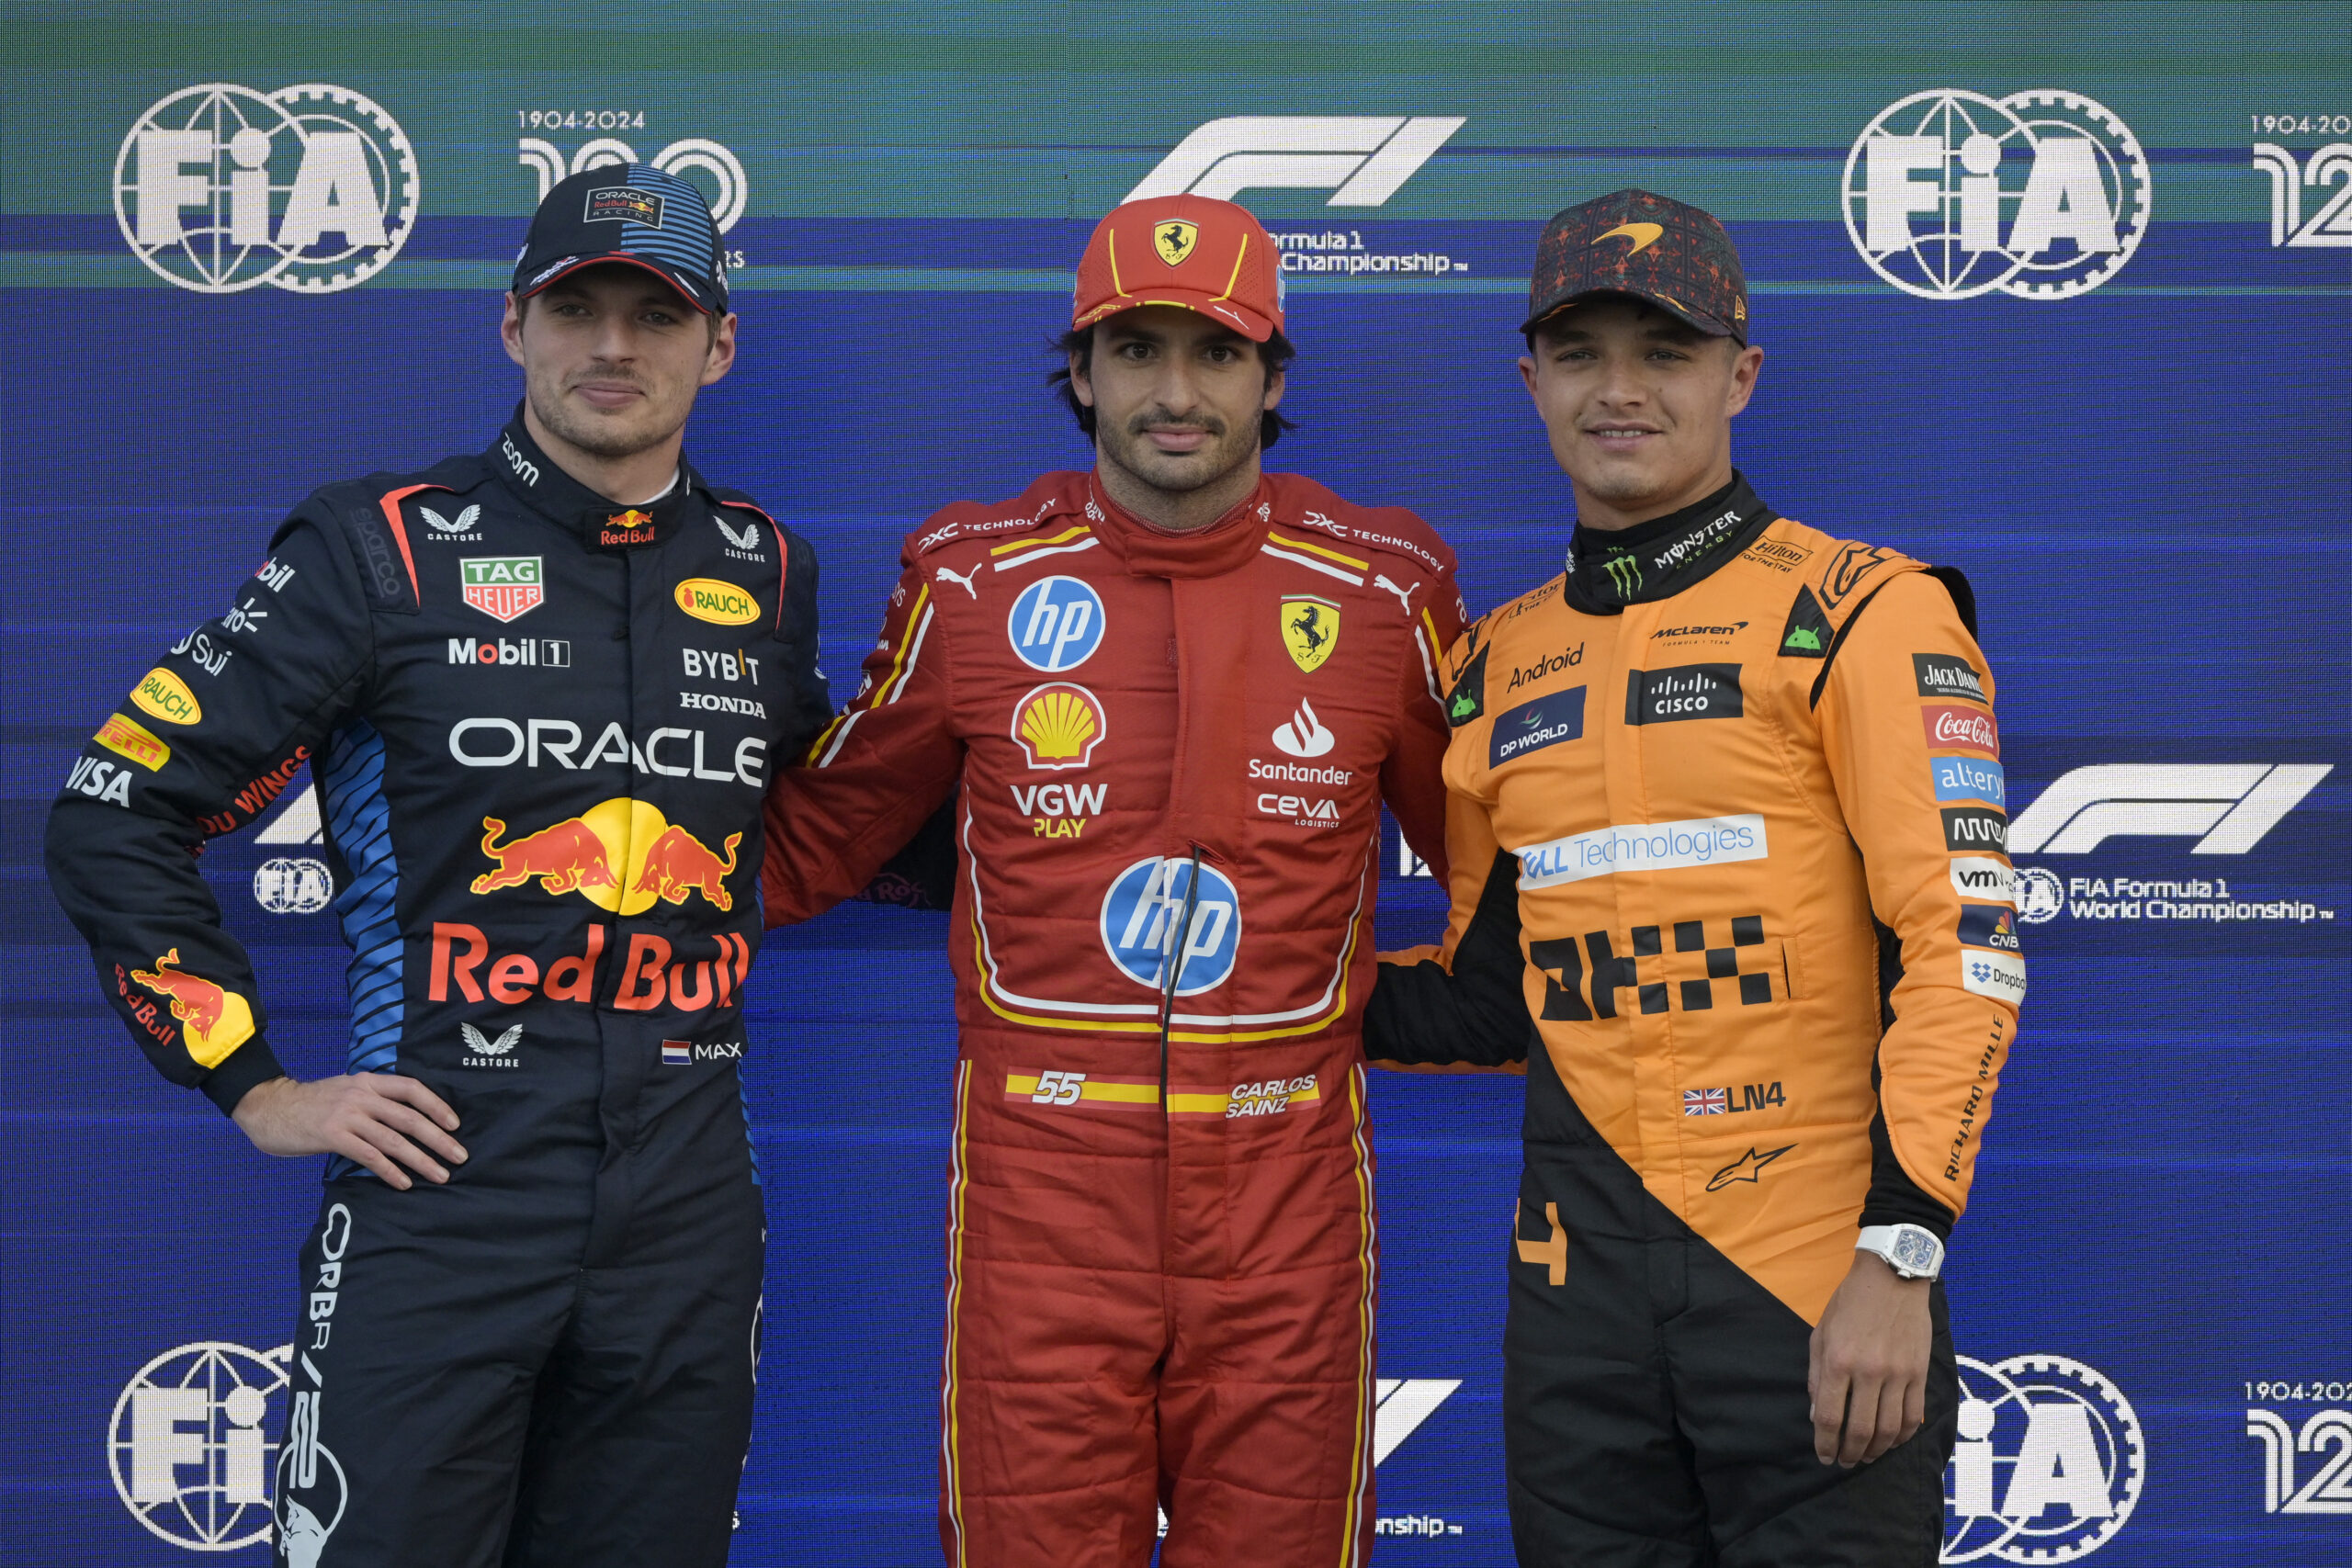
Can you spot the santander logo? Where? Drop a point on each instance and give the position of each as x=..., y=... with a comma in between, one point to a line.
x=1303, y=736
x=1961, y=729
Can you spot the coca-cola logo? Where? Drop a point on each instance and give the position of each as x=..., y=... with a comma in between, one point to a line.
x=1961, y=729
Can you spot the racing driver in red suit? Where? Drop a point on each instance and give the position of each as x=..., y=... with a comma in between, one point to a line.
x=1175, y=692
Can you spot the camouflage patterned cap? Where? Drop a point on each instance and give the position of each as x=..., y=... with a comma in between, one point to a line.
x=1652, y=247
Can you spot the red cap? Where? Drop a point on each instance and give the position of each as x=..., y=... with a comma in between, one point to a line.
x=1186, y=251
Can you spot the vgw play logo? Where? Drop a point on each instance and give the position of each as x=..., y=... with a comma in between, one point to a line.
x=2042, y=194
x=310, y=189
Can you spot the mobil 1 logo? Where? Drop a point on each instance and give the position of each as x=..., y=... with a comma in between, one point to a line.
x=1687, y=690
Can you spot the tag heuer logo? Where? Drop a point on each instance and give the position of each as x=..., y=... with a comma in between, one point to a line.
x=502, y=587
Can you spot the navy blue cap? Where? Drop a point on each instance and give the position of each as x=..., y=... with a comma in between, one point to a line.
x=632, y=213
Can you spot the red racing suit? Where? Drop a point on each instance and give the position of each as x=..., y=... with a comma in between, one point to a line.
x=1172, y=749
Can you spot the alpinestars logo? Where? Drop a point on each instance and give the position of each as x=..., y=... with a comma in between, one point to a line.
x=2042, y=194
x=1360, y=159
x=2225, y=806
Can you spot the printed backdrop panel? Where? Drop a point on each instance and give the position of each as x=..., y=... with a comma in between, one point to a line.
x=2061, y=296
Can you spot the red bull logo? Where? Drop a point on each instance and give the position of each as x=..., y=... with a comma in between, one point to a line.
x=678, y=863
x=620, y=854
x=214, y=1020
x=566, y=858
x=657, y=973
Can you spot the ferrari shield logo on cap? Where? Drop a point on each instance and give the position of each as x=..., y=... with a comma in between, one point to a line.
x=1174, y=239
x=1310, y=630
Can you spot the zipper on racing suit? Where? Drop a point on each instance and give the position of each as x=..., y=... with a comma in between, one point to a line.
x=1181, y=940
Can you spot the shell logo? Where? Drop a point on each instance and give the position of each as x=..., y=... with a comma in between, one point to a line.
x=167, y=696
x=1058, y=725
x=722, y=604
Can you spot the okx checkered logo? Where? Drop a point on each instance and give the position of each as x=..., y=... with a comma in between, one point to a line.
x=1689, y=966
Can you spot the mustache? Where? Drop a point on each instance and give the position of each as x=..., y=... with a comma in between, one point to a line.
x=1204, y=421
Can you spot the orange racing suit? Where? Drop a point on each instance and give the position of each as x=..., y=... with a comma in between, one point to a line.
x=1725, y=825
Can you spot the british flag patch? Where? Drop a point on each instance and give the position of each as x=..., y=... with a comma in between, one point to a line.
x=1706, y=1102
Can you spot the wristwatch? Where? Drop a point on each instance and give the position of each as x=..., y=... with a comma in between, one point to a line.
x=1912, y=1251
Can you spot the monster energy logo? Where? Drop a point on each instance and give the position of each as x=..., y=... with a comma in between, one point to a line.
x=1624, y=575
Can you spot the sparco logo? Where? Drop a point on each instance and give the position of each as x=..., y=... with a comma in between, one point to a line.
x=310, y=188
x=190, y=1444
x=2049, y=1463
x=2042, y=194
x=1361, y=159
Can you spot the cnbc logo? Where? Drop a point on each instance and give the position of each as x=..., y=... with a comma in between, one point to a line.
x=311, y=189
x=2042, y=194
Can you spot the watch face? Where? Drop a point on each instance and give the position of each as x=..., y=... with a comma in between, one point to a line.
x=1914, y=1250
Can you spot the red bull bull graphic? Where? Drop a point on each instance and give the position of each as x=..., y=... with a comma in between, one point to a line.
x=620, y=854
x=213, y=1019
x=678, y=864
x=566, y=858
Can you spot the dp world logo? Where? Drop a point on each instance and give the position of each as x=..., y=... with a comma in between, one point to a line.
x=2048, y=1466
x=189, y=1445
x=2042, y=194
x=310, y=189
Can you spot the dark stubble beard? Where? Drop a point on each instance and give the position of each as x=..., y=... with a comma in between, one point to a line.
x=597, y=440
x=1131, y=449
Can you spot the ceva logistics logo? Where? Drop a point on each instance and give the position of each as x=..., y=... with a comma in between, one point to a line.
x=311, y=189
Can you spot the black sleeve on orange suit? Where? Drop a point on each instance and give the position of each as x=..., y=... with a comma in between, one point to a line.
x=873, y=775
x=1474, y=1013
x=257, y=691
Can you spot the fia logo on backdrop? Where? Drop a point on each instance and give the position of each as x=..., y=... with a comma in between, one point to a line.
x=190, y=1443
x=311, y=189
x=2042, y=194
x=2048, y=1465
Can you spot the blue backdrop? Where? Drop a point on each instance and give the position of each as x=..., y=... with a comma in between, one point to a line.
x=2137, y=441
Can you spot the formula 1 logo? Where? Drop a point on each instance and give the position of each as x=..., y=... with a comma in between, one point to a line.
x=2225, y=806
x=311, y=189
x=2048, y=1466
x=188, y=1443
x=2329, y=227
x=2042, y=194
x=1360, y=159
x=1151, y=911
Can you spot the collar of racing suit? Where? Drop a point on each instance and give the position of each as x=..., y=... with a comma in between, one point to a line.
x=1660, y=558
x=1145, y=549
x=603, y=524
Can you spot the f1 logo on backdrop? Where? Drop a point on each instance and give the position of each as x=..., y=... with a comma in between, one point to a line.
x=1360, y=159
x=2225, y=806
x=2048, y=1465
x=310, y=189
x=190, y=1443
x=2042, y=194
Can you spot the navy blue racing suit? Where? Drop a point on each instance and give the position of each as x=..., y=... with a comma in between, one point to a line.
x=541, y=727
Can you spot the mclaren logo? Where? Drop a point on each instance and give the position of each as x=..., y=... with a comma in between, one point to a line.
x=1360, y=159
x=1644, y=235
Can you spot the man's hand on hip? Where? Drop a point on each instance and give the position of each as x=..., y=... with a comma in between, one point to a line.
x=379, y=1120
x=1868, y=1374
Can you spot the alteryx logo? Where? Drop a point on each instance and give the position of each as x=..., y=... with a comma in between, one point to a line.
x=1531, y=727
x=1360, y=159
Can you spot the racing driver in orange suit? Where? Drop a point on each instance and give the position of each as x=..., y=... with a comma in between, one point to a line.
x=1175, y=692
x=1727, y=837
